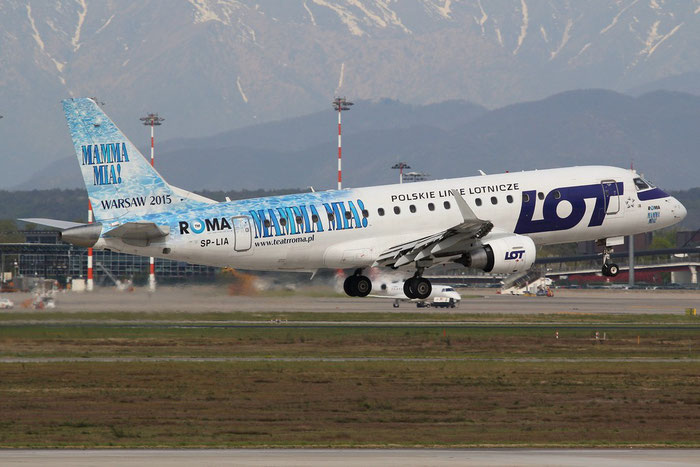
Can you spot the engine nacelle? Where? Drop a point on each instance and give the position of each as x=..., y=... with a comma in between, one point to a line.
x=504, y=255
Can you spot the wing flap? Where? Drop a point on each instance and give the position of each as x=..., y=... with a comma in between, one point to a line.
x=428, y=248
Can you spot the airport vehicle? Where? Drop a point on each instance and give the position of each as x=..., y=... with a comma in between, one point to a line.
x=6, y=303
x=490, y=222
x=441, y=295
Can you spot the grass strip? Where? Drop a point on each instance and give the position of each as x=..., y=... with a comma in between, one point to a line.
x=380, y=404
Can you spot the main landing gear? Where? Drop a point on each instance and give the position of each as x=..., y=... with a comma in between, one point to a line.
x=417, y=287
x=357, y=285
x=609, y=269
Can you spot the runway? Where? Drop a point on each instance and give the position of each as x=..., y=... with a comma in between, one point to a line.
x=354, y=457
x=215, y=299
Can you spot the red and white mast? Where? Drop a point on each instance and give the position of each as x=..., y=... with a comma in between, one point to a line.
x=152, y=120
x=340, y=104
x=90, y=285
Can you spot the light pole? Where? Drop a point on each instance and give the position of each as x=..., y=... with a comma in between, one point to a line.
x=401, y=166
x=340, y=104
x=152, y=120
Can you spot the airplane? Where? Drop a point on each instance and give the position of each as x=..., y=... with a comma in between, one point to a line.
x=489, y=222
x=442, y=295
x=391, y=286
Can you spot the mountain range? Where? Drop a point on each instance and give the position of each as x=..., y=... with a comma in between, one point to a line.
x=212, y=66
x=656, y=132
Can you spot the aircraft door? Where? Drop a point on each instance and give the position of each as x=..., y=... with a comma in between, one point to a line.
x=612, y=196
x=243, y=235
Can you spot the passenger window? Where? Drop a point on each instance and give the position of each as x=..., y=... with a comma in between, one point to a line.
x=431, y=207
x=540, y=195
x=365, y=213
x=509, y=198
x=494, y=200
x=380, y=211
x=412, y=208
x=557, y=194
x=331, y=217
x=348, y=215
x=299, y=220
x=446, y=204
x=478, y=201
x=283, y=221
x=267, y=223
x=397, y=210
x=526, y=198
x=314, y=218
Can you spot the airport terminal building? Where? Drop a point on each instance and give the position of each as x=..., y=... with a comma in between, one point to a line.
x=42, y=254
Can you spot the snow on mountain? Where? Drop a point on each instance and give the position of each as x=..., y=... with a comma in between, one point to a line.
x=209, y=66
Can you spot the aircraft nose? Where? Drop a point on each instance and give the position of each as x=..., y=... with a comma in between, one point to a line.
x=679, y=211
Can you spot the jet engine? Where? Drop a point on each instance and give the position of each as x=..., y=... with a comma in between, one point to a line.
x=503, y=255
x=84, y=235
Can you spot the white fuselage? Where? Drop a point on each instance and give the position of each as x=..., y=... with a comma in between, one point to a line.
x=550, y=206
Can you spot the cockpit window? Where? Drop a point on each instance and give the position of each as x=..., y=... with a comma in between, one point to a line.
x=649, y=184
x=640, y=184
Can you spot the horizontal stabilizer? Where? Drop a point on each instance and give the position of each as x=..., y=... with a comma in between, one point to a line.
x=63, y=225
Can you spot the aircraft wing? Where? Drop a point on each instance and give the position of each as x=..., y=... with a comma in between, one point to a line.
x=441, y=244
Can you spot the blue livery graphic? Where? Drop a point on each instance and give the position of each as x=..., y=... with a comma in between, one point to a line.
x=576, y=196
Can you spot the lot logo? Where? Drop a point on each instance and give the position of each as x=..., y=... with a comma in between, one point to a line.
x=515, y=254
x=106, y=160
x=575, y=197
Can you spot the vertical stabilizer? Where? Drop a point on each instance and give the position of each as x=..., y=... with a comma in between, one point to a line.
x=121, y=184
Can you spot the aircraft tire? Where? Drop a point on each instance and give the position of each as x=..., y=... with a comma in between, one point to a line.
x=606, y=270
x=613, y=270
x=409, y=288
x=422, y=287
x=363, y=286
x=349, y=286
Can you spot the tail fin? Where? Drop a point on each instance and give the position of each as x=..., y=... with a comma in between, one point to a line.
x=120, y=183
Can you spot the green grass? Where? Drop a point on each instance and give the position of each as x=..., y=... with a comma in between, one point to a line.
x=454, y=316
x=486, y=391
x=366, y=404
x=22, y=340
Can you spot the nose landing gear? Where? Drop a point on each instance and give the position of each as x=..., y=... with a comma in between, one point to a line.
x=609, y=269
x=357, y=285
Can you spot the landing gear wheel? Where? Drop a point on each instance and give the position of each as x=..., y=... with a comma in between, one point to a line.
x=363, y=286
x=357, y=286
x=609, y=269
x=409, y=288
x=422, y=287
x=349, y=286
